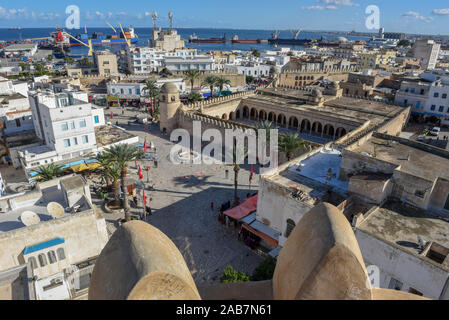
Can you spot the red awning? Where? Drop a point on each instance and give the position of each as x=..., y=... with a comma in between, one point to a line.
x=268, y=239
x=243, y=210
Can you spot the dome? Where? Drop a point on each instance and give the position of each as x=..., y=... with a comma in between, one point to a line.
x=342, y=39
x=169, y=87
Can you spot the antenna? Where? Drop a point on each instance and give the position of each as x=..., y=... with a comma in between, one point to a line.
x=170, y=17
x=154, y=15
x=55, y=210
x=29, y=218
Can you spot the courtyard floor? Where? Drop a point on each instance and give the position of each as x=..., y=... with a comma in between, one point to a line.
x=181, y=208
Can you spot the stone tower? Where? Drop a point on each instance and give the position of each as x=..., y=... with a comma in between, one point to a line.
x=168, y=106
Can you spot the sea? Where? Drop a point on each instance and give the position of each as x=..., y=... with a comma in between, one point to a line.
x=145, y=34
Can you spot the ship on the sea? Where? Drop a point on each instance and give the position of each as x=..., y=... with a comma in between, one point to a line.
x=235, y=39
x=98, y=38
x=293, y=41
x=195, y=39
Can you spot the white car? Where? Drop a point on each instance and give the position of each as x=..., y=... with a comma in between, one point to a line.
x=435, y=131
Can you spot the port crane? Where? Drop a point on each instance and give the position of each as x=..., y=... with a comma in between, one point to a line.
x=115, y=31
x=124, y=36
x=87, y=45
x=295, y=34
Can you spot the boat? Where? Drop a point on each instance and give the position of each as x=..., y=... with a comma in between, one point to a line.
x=293, y=41
x=17, y=28
x=98, y=38
x=235, y=39
x=195, y=39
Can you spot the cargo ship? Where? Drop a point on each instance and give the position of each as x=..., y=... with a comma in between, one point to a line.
x=194, y=39
x=235, y=39
x=98, y=38
x=293, y=41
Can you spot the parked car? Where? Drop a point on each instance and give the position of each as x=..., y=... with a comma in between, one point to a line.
x=435, y=131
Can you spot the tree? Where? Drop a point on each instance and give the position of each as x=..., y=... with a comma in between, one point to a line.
x=47, y=173
x=69, y=60
x=230, y=275
x=267, y=126
x=237, y=155
x=111, y=170
x=85, y=61
x=153, y=91
x=404, y=43
x=290, y=54
x=50, y=57
x=290, y=143
x=191, y=76
x=256, y=53
x=250, y=79
x=211, y=82
x=221, y=82
x=265, y=270
x=122, y=154
x=194, y=97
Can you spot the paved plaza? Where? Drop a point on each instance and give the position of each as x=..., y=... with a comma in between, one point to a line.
x=181, y=209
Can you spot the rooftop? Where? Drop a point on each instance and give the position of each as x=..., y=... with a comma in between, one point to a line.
x=108, y=135
x=401, y=225
x=37, y=201
x=414, y=158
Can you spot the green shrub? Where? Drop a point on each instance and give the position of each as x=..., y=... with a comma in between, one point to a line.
x=231, y=275
x=265, y=270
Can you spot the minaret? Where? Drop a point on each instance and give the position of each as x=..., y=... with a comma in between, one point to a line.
x=168, y=106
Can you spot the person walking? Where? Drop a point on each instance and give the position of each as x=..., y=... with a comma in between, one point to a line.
x=212, y=206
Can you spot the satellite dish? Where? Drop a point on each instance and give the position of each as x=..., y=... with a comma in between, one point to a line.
x=29, y=218
x=55, y=210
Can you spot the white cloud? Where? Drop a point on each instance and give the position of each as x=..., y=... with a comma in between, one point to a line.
x=417, y=16
x=441, y=12
x=320, y=8
x=339, y=3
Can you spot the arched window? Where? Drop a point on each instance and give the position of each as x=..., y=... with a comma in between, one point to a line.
x=51, y=257
x=61, y=254
x=33, y=263
x=290, y=226
x=42, y=260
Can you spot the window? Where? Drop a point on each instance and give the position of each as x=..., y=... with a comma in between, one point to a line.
x=414, y=291
x=83, y=123
x=61, y=254
x=395, y=284
x=444, y=96
x=418, y=104
x=72, y=125
x=138, y=91
x=130, y=91
x=66, y=143
x=436, y=94
x=121, y=91
x=42, y=260
x=412, y=90
x=51, y=257
x=33, y=263
x=422, y=91
x=75, y=141
x=290, y=226
x=18, y=123
x=96, y=119
x=85, y=139
x=405, y=102
x=433, y=107
x=64, y=127
x=113, y=90
x=441, y=109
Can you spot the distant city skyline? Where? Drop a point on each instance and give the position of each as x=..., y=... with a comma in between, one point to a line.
x=339, y=15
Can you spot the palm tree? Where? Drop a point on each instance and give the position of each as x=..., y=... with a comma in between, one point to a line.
x=111, y=170
x=191, y=76
x=256, y=53
x=122, y=154
x=290, y=143
x=221, y=82
x=153, y=90
x=211, y=82
x=237, y=169
x=266, y=126
x=49, y=172
x=194, y=97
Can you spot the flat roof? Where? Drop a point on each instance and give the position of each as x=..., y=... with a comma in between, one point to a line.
x=107, y=135
x=401, y=225
x=412, y=157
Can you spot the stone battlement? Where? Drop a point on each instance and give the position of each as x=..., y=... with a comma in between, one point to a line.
x=218, y=100
x=324, y=70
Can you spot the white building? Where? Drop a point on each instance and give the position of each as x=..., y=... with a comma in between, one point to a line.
x=14, y=107
x=141, y=60
x=253, y=69
x=56, y=233
x=21, y=50
x=427, y=51
x=135, y=89
x=65, y=123
x=189, y=62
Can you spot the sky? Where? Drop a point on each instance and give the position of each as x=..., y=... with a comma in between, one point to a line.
x=413, y=16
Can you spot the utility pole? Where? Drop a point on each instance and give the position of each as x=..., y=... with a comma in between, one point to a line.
x=170, y=18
